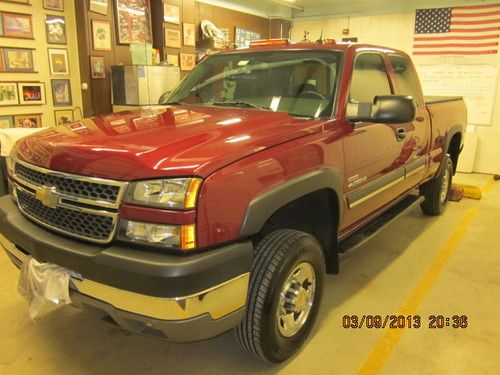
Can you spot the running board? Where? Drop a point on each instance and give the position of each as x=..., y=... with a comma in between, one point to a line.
x=370, y=230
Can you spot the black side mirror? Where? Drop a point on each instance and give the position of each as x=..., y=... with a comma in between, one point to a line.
x=388, y=109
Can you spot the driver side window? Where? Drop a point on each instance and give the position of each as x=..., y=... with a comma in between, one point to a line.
x=369, y=78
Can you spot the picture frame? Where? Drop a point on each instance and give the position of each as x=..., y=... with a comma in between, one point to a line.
x=172, y=38
x=63, y=116
x=188, y=33
x=61, y=92
x=97, y=67
x=55, y=29
x=101, y=35
x=6, y=121
x=32, y=120
x=173, y=60
x=171, y=14
x=58, y=61
x=17, y=60
x=242, y=37
x=31, y=93
x=54, y=5
x=17, y=25
x=9, y=95
x=99, y=6
x=25, y=2
x=187, y=61
x=133, y=21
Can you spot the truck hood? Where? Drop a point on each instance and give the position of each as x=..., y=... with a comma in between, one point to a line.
x=165, y=141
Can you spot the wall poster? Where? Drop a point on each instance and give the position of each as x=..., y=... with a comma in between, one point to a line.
x=133, y=22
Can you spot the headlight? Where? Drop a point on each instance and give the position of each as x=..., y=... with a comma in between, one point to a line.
x=175, y=193
x=181, y=237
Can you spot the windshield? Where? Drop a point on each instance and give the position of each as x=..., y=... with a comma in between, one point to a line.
x=301, y=83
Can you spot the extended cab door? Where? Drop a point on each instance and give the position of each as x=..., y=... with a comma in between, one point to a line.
x=374, y=153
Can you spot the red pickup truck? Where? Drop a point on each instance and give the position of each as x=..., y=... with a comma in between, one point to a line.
x=225, y=206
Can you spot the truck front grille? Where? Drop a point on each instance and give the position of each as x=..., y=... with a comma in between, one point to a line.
x=66, y=220
x=77, y=206
x=77, y=188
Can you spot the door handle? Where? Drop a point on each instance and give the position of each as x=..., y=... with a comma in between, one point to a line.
x=400, y=134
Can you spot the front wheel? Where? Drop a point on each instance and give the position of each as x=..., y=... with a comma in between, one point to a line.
x=437, y=191
x=285, y=292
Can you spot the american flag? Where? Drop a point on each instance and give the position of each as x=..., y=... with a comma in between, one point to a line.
x=465, y=30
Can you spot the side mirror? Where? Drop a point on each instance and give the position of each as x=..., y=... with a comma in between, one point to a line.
x=388, y=109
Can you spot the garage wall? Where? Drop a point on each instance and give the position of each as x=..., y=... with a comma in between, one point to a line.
x=396, y=30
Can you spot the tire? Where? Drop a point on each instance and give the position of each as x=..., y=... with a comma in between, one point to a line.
x=284, y=260
x=437, y=191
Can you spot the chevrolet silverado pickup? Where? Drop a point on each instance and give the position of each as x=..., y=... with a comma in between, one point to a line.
x=225, y=206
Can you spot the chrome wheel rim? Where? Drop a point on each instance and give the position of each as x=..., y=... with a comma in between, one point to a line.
x=296, y=299
x=445, y=186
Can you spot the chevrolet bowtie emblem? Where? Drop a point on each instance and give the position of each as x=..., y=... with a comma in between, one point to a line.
x=48, y=196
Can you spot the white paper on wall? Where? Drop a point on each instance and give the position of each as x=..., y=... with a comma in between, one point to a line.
x=476, y=83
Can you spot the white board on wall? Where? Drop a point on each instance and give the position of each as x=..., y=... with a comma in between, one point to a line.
x=476, y=83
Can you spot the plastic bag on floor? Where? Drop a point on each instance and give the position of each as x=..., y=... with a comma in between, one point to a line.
x=40, y=283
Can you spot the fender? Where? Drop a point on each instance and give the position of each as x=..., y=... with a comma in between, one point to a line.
x=449, y=135
x=262, y=207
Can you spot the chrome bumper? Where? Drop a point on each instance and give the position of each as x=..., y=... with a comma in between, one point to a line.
x=226, y=300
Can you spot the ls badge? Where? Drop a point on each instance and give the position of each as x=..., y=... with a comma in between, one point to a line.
x=48, y=196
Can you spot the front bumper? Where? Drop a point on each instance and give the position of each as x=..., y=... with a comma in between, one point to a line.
x=178, y=298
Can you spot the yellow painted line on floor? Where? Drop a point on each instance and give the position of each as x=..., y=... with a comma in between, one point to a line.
x=382, y=350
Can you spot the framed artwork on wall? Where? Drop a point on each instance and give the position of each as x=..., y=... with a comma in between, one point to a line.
x=55, y=28
x=188, y=61
x=61, y=92
x=31, y=93
x=8, y=93
x=17, y=60
x=243, y=37
x=133, y=22
x=6, y=122
x=58, y=61
x=99, y=6
x=63, y=116
x=171, y=14
x=97, y=67
x=33, y=120
x=172, y=38
x=173, y=60
x=27, y=2
x=54, y=4
x=101, y=35
x=188, y=34
x=16, y=25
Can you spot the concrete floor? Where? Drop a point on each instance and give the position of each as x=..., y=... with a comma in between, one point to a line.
x=420, y=265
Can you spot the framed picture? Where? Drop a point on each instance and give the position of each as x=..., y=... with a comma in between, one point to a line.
x=63, y=116
x=188, y=61
x=17, y=60
x=58, y=61
x=54, y=4
x=31, y=93
x=33, y=120
x=242, y=37
x=6, y=122
x=8, y=93
x=101, y=35
x=99, y=6
x=172, y=38
x=55, y=27
x=173, y=60
x=17, y=25
x=97, y=67
x=188, y=34
x=171, y=14
x=133, y=22
x=27, y=2
x=61, y=92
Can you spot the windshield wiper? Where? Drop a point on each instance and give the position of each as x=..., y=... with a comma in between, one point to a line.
x=237, y=104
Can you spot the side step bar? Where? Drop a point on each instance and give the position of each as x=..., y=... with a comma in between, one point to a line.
x=380, y=223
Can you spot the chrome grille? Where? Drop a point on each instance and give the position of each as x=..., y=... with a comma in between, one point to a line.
x=73, y=222
x=77, y=188
x=79, y=206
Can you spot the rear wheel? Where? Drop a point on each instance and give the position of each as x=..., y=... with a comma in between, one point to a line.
x=284, y=296
x=437, y=191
